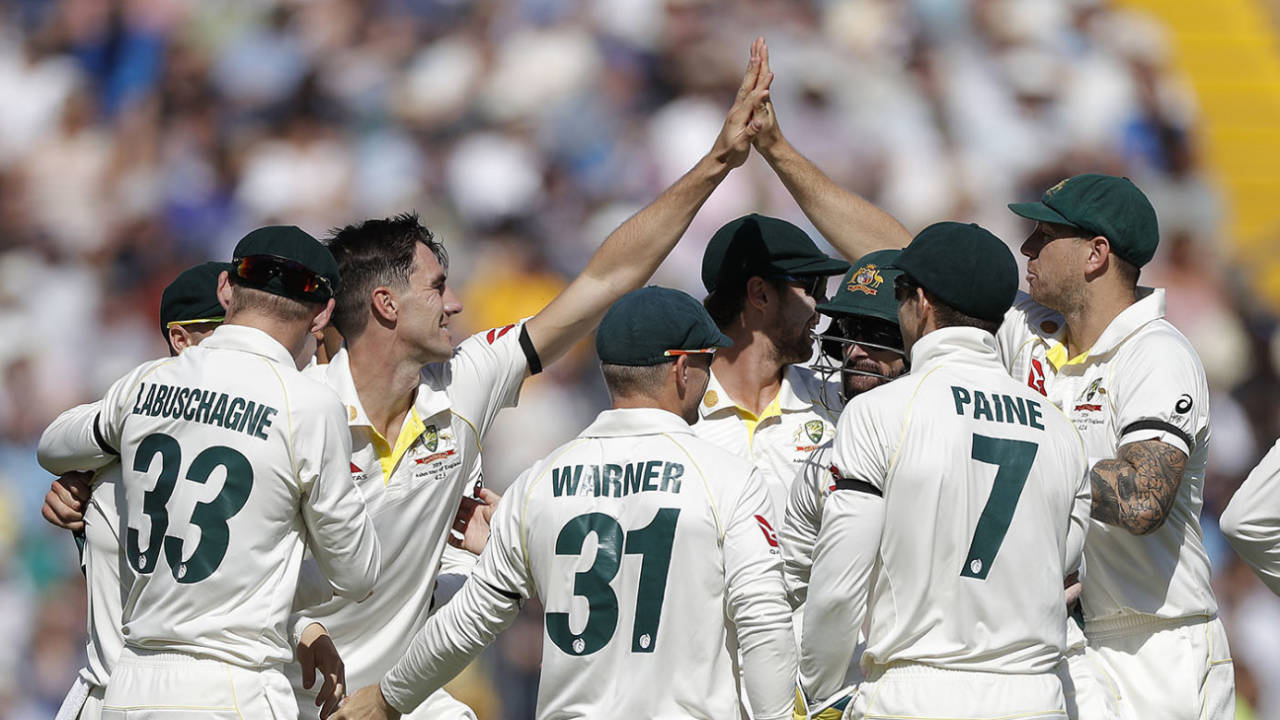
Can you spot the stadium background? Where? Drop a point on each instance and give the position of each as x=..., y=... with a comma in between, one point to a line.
x=140, y=136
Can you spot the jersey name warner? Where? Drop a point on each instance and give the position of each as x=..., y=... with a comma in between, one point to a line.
x=616, y=480
x=204, y=406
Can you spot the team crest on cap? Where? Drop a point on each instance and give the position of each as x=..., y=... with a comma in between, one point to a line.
x=1054, y=190
x=815, y=429
x=867, y=280
x=431, y=438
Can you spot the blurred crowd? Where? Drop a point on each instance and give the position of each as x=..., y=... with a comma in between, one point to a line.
x=138, y=137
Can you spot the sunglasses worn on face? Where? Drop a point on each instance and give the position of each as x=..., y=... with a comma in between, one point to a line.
x=903, y=288
x=815, y=286
x=295, y=278
x=872, y=332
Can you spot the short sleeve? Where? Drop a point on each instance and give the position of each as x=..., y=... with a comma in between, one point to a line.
x=1159, y=392
x=485, y=374
x=862, y=452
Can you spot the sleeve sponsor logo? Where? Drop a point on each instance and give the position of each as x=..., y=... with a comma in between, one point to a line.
x=1183, y=405
x=770, y=536
x=496, y=333
x=1035, y=379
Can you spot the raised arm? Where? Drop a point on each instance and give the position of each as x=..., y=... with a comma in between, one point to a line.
x=631, y=254
x=850, y=223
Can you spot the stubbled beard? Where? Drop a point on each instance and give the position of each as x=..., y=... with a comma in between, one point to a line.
x=795, y=349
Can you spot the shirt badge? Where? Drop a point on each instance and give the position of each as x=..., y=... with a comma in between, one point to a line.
x=430, y=438
x=711, y=398
x=815, y=429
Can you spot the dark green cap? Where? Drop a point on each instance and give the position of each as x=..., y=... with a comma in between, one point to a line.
x=644, y=324
x=965, y=266
x=192, y=297
x=867, y=289
x=293, y=245
x=1105, y=205
x=760, y=245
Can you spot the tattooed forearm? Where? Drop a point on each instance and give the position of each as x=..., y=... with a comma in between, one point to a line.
x=1136, y=490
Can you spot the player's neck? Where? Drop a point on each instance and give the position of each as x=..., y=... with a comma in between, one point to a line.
x=289, y=333
x=385, y=382
x=1088, y=318
x=749, y=370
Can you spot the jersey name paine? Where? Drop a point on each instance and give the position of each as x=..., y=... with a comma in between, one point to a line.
x=413, y=485
x=641, y=541
x=1141, y=380
x=231, y=459
x=985, y=506
x=801, y=417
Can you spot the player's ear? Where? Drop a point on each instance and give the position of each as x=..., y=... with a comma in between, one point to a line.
x=179, y=340
x=384, y=303
x=224, y=289
x=1099, y=255
x=758, y=293
x=321, y=319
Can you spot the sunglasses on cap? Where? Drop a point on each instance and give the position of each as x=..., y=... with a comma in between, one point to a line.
x=815, y=286
x=295, y=278
x=677, y=353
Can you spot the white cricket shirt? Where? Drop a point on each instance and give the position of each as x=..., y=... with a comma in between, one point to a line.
x=1251, y=521
x=1141, y=380
x=413, y=485
x=780, y=439
x=642, y=542
x=985, y=506
x=231, y=460
x=803, y=518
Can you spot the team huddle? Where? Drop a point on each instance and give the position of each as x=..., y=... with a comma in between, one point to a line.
x=976, y=502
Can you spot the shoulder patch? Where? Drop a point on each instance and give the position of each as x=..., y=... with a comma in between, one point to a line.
x=770, y=536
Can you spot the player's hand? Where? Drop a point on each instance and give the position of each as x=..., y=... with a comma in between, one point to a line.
x=316, y=651
x=769, y=134
x=67, y=499
x=1071, y=589
x=740, y=126
x=367, y=704
x=471, y=524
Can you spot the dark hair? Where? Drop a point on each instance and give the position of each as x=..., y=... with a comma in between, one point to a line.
x=1127, y=271
x=628, y=380
x=374, y=253
x=946, y=316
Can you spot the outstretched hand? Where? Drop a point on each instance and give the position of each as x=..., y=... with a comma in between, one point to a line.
x=741, y=125
x=767, y=135
x=316, y=652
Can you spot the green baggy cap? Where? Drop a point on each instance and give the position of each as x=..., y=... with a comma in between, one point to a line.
x=867, y=289
x=965, y=266
x=644, y=324
x=761, y=245
x=192, y=297
x=1105, y=205
x=296, y=248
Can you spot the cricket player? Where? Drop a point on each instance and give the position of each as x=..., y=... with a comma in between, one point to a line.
x=961, y=501
x=231, y=460
x=1098, y=346
x=1251, y=521
x=418, y=408
x=641, y=541
x=861, y=349
x=189, y=312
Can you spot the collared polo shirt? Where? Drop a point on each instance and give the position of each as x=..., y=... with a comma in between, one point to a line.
x=1142, y=380
x=413, y=484
x=800, y=418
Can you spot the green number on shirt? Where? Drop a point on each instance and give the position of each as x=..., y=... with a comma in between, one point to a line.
x=1013, y=458
x=653, y=543
x=211, y=517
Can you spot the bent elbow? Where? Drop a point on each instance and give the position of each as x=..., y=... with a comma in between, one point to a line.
x=1146, y=525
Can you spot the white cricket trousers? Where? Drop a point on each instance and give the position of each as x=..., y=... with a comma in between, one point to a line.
x=150, y=685
x=1171, y=669
x=920, y=692
x=83, y=701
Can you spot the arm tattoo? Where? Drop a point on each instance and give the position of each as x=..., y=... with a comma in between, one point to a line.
x=1136, y=490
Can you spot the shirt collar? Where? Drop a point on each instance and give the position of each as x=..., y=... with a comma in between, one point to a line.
x=427, y=402
x=795, y=394
x=967, y=344
x=1149, y=307
x=251, y=340
x=636, y=421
